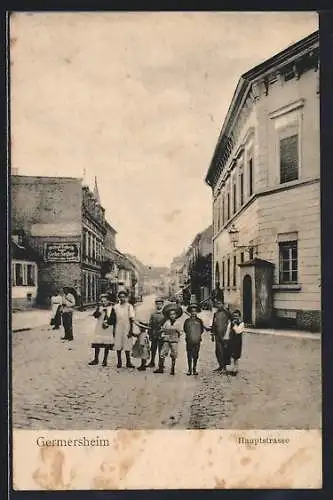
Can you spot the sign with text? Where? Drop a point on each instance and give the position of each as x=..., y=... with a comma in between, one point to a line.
x=62, y=252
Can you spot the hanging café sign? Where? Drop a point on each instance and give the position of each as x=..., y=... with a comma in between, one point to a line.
x=62, y=252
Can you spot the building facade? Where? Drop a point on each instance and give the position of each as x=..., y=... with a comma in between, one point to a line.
x=64, y=223
x=176, y=274
x=265, y=181
x=24, y=273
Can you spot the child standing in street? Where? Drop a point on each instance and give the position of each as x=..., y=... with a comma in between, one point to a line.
x=141, y=348
x=156, y=321
x=170, y=333
x=193, y=328
x=103, y=336
x=236, y=340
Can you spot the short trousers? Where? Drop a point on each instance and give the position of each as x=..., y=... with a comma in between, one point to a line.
x=171, y=347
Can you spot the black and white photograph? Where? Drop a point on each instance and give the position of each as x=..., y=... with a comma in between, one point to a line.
x=165, y=236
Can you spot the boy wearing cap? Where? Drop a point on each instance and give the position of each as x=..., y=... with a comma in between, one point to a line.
x=193, y=328
x=156, y=321
x=170, y=333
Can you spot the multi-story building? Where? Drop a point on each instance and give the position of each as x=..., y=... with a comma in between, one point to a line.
x=176, y=281
x=265, y=181
x=93, y=237
x=64, y=223
x=199, y=265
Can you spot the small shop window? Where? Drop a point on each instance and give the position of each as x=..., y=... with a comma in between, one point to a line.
x=19, y=274
x=31, y=275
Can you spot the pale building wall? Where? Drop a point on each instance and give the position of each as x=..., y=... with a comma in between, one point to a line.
x=277, y=208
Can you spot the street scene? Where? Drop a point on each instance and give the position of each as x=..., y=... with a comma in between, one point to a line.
x=165, y=232
x=54, y=388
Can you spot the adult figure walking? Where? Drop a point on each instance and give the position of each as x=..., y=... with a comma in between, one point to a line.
x=217, y=295
x=68, y=304
x=56, y=303
x=219, y=328
x=123, y=319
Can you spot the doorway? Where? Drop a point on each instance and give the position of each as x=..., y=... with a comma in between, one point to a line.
x=247, y=300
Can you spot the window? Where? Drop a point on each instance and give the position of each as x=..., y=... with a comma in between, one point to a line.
x=228, y=273
x=31, y=279
x=288, y=262
x=234, y=195
x=250, y=177
x=19, y=274
x=228, y=206
x=218, y=215
x=24, y=274
x=241, y=188
x=223, y=274
x=242, y=257
x=234, y=276
x=289, y=158
x=251, y=254
x=223, y=214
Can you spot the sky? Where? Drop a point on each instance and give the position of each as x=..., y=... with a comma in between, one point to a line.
x=137, y=100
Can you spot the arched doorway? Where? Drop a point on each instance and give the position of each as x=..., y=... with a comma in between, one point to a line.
x=247, y=300
x=217, y=275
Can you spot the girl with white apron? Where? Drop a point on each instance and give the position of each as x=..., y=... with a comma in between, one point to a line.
x=103, y=335
x=123, y=320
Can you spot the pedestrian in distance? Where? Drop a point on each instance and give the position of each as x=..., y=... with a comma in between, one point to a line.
x=56, y=310
x=68, y=304
x=141, y=348
x=193, y=328
x=170, y=334
x=123, y=316
x=157, y=319
x=236, y=340
x=103, y=334
x=219, y=329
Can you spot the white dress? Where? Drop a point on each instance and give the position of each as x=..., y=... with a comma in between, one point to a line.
x=124, y=312
x=103, y=335
x=56, y=301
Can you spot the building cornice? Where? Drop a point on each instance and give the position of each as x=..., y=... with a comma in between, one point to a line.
x=265, y=192
x=250, y=86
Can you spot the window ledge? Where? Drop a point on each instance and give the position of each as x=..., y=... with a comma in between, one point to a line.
x=287, y=288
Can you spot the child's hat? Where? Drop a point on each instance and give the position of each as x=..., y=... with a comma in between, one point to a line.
x=194, y=306
x=159, y=300
x=172, y=307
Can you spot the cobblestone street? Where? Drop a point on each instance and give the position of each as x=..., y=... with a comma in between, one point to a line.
x=278, y=386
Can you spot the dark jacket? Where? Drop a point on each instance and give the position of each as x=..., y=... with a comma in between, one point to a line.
x=220, y=322
x=193, y=328
x=156, y=321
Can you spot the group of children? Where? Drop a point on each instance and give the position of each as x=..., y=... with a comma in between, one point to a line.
x=162, y=333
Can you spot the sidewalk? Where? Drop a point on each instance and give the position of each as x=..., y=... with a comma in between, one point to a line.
x=36, y=318
x=207, y=317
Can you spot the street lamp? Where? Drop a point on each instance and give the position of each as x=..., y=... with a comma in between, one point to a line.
x=234, y=238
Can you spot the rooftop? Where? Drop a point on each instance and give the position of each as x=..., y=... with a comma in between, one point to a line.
x=244, y=84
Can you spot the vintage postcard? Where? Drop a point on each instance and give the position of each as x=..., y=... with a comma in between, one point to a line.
x=165, y=250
